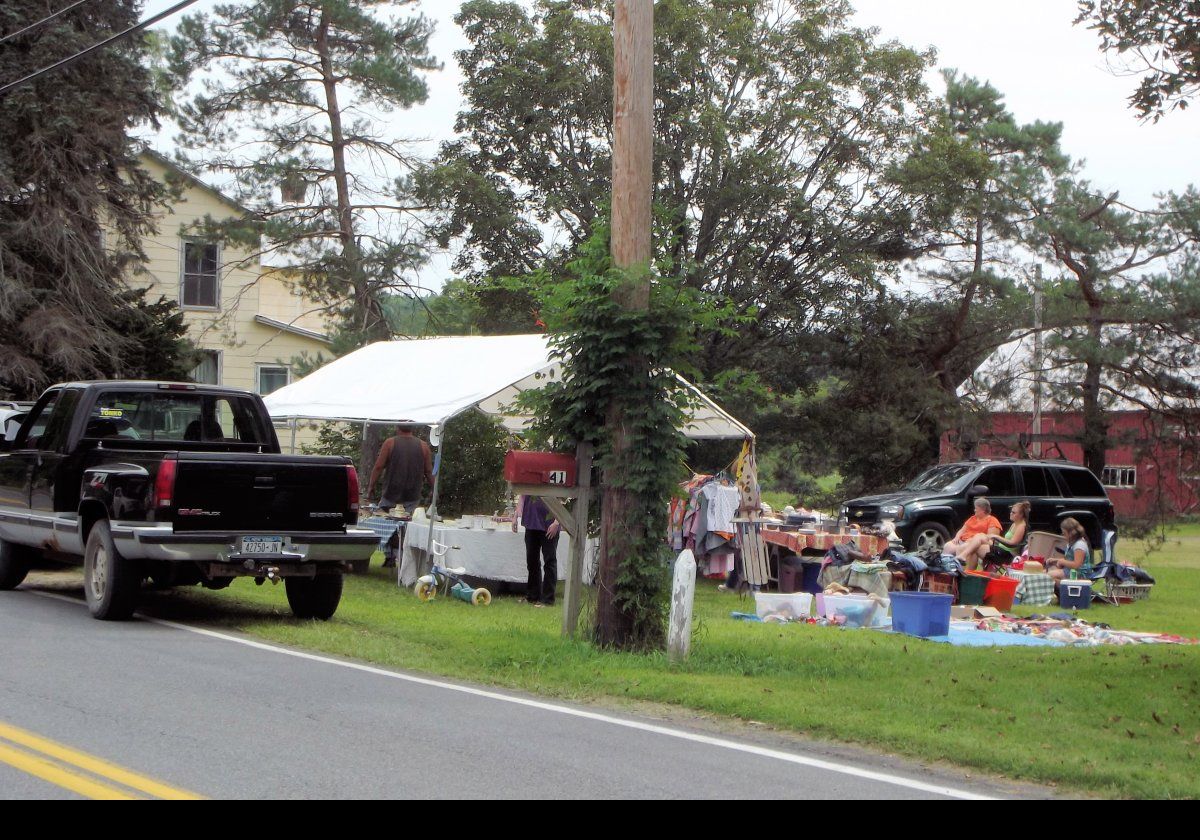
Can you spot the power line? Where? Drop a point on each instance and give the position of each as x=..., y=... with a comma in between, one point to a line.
x=106, y=42
x=46, y=19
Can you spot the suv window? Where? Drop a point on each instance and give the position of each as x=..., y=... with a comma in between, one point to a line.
x=1000, y=481
x=1080, y=483
x=1038, y=482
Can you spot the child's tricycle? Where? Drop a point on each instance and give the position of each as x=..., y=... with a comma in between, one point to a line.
x=449, y=581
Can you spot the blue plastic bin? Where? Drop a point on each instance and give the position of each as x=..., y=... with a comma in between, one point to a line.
x=922, y=614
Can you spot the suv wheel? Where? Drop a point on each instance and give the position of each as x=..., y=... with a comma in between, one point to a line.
x=926, y=535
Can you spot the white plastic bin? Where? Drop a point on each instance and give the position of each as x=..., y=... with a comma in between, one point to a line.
x=790, y=606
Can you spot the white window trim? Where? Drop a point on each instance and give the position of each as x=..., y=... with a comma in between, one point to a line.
x=259, y=367
x=1116, y=467
x=220, y=354
x=183, y=240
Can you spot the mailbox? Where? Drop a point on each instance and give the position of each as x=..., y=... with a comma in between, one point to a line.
x=554, y=469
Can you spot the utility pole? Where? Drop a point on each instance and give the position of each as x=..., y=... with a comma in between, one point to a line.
x=1037, y=363
x=633, y=148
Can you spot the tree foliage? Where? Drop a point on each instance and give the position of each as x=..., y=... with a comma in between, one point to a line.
x=610, y=356
x=775, y=125
x=74, y=205
x=1126, y=306
x=1161, y=41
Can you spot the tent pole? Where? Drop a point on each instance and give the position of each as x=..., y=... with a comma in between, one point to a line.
x=437, y=480
x=293, y=436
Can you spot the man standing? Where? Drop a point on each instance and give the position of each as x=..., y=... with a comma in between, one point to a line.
x=407, y=464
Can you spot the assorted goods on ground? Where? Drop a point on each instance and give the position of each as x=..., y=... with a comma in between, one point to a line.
x=862, y=582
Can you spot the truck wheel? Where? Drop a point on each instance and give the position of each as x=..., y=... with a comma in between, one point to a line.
x=926, y=535
x=110, y=581
x=315, y=597
x=14, y=564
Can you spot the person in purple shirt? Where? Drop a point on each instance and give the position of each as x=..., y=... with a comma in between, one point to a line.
x=541, y=549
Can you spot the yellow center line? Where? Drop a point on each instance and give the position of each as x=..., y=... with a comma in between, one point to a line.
x=89, y=763
x=56, y=774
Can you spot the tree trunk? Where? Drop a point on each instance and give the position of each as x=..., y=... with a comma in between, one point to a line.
x=633, y=130
x=1094, y=438
x=369, y=319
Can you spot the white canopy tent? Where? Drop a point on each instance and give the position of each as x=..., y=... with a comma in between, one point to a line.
x=428, y=381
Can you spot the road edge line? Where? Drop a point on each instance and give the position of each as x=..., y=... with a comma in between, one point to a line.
x=653, y=728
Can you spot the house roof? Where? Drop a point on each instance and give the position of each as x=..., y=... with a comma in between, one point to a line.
x=166, y=162
x=284, y=326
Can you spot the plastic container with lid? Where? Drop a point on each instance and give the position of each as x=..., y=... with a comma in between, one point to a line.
x=788, y=606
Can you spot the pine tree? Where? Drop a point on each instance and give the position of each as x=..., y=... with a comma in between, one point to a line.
x=74, y=206
x=288, y=100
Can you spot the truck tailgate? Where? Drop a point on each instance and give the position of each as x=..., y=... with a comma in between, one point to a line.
x=256, y=493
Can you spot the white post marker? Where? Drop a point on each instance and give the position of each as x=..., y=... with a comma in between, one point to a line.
x=683, y=596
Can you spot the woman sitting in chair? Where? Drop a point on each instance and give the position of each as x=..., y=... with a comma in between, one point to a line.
x=981, y=526
x=1078, y=556
x=993, y=549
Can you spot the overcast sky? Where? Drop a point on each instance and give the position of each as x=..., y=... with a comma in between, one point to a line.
x=1047, y=69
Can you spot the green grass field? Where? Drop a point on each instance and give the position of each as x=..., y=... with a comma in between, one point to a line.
x=1119, y=722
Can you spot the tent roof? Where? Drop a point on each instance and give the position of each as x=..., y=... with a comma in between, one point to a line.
x=428, y=381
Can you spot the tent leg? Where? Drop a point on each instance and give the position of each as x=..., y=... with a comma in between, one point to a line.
x=432, y=512
x=293, y=436
x=573, y=591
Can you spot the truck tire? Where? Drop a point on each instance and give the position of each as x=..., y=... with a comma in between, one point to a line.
x=314, y=597
x=14, y=564
x=926, y=535
x=110, y=582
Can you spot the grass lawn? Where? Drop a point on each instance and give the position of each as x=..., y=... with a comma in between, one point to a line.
x=1107, y=721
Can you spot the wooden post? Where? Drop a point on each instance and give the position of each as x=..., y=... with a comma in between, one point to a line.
x=633, y=150
x=573, y=591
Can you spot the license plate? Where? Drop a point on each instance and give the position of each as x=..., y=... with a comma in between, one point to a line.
x=262, y=545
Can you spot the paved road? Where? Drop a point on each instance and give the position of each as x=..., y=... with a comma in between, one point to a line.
x=225, y=717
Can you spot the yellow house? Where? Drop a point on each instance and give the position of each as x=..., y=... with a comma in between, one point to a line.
x=241, y=314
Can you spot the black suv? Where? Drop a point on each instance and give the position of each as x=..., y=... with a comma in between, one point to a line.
x=932, y=507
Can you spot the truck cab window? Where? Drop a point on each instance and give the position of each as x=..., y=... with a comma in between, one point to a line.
x=47, y=425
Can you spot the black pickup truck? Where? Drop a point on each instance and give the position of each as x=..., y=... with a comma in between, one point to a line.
x=179, y=483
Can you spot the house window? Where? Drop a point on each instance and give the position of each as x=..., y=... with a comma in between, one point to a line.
x=272, y=378
x=200, y=287
x=1119, y=477
x=208, y=371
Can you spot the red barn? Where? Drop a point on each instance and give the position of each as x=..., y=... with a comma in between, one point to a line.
x=1147, y=468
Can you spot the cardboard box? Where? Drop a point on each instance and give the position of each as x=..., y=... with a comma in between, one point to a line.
x=974, y=613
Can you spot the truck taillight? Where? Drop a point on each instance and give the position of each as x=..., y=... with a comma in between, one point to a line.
x=351, y=488
x=164, y=483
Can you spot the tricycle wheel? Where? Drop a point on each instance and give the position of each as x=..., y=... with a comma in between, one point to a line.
x=424, y=590
x=481, y=597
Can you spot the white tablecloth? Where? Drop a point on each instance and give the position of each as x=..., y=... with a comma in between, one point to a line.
x=494, y=555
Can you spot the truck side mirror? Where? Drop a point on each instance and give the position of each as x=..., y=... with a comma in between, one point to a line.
x=978, y=490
